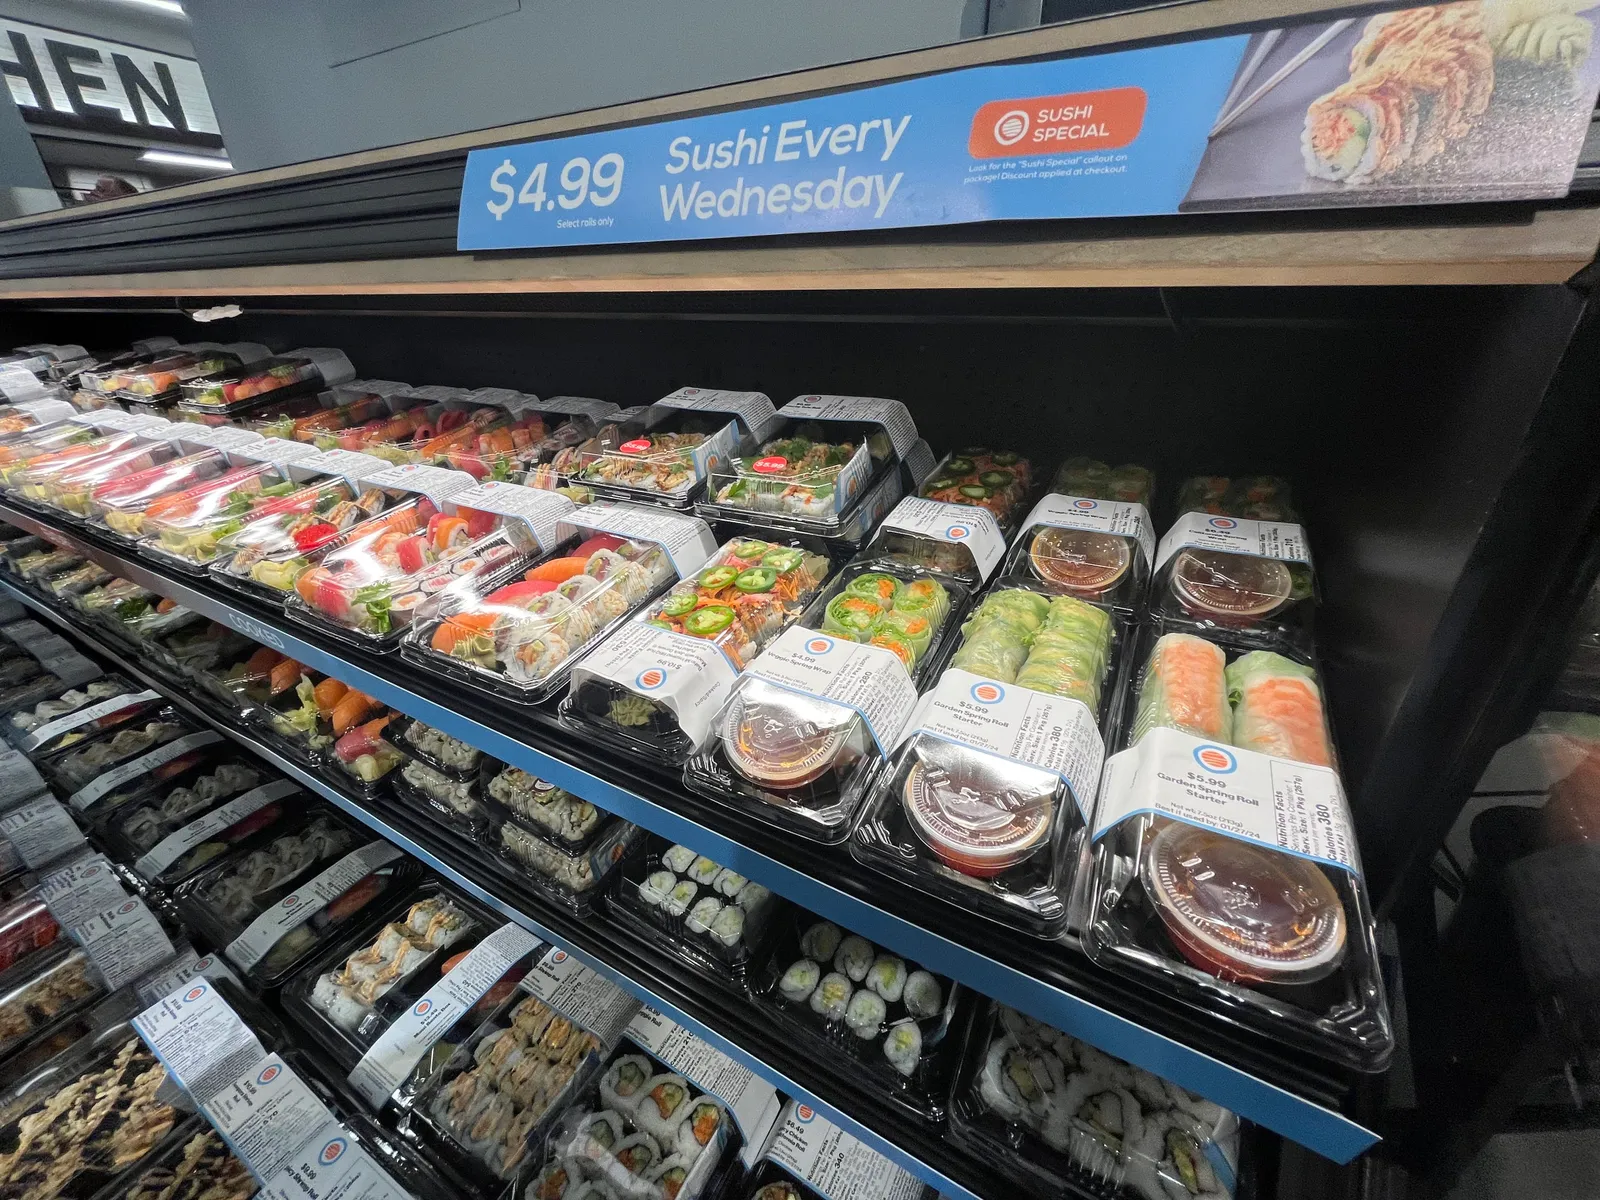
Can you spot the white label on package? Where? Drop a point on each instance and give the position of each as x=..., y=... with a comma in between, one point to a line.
x=41, y=830
x=956, y=524
x=76, y=892
x=688, y=675
x=687, y=540
x=275, y=450
x=1235, y=535
x=1279, y=803
x=214, y=437
x=577, y=406
x=753, y=1102
x=180, y=841
x=350, y=465
x=539, y=510
x=496, y=397
x=198, y=1037
x=186, y=966
x=869, y=679
x=563, y=983
x=10, y=860
x=436, y=483
x=66, y=724
x=124, y=942
x=19, y=778
x=47, y=412
x=332, y=1167
x=1055, y=733
x=753, y=409
x=295, y=909
x=836, y=1164
x=393, y=1056
x=1115, y=517
x=266, y=1114
x=18, y=383
x=893, y=416
x=110, y=420
x=334, y=365
x=100, y=787
x=52, y=652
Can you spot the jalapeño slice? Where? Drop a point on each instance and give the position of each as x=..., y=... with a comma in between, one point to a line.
x=756, y=579
x=749, y=548
x=708, y=621
x=782, y=559
x=975, y=491
x=714, y=579
x=995, y=479
x=677, y=604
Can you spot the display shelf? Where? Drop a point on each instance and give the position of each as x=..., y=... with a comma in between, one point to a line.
x=1286, y=1090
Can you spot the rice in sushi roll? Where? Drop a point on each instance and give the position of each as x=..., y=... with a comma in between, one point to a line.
x=800, y=980
x=663, y=1104
x=728, y=928
x=657, y=886
x=821, y=941
x=922, y=995
x=865, y=1014
x=597, y=1135
x=887, y=977
x=832, y=996
x=700, y=1126
x=489, y=1120
x=854, y=958
x=903, y=1047
x=337, y=1004
x=703, y=871
x=669, y=1177
x=678, y=859
x=680, y=898
x=782, y=1190
x=556, y=1182
x=752, y=896
x=623, y=1083
x=729, y=882
x=590, y=1190
x=637, y=1154
x=703, y=914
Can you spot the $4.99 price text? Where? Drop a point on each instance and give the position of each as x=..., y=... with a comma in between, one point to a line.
x=598, y=183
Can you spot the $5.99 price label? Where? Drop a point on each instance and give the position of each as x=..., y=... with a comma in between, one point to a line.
x=582, y=182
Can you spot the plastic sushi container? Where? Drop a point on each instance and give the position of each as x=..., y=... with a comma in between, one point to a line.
x=955, y=541
x=67, y=483
x=453, y=800
x=976, y=806
x=572, y=879
x=514, y=629
x=161, y=381
x=1058, y=1117
x=309, y=369
x=995, y=480
x=48, y=560
x=489, y=1109
x=94, y=722
x=1269, y=919
x=16, y=455
x=205, y=841
x=24, y=724
x=365, y=759
x=303, y=418
x=100, y=816
x=300, y=720
x=809, y=723
x=100, y=373
x=508, y=446
x=27, y=929
x=641, y=1130
x=1235, y=560
x=119, y=503
x=116, y=1077
x=22, y=422
x=439, y=751
x=655, y=685
x=82, y=762
x=45, y=993
x=24, y=681
x=397, y=437
x=569, y=823
x=196, y=1165
x=131, y=824
x=665, y=454
x=75, y=581
x=245, y=903
x=252, y=681
x=712, y=917
x=188, y=530
x=894, y=1023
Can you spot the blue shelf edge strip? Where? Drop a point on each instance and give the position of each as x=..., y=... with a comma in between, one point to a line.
x=1328, y=1132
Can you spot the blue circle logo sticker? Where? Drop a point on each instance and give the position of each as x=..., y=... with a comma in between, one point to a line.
x=128, y=907
x=333, y=1151
x=805, y=1113
x=268, y=1074
x=423, y=1007
x=819, y=645
x=988, y=692
x=290, y=901
x=194, y=993
x=1223, y=523
x=650, y=679
x=560, y=956
x=958, y=533
x=1085, y=505
x=1216, y=759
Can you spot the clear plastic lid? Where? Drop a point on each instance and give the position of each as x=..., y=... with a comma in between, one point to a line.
x=197, y=1164
x=127, y=706
x=439, y=750
x=31, y=1006
x=19, y=421
x=191, y=524
x=78, y=580
x=206, y=782
x=20, y=725
x=106, y=374
x=810, y=475
x=365, y=755
x=1094, y=480
x=503, y=447
x=304, y=419
x=255, y=679
x=46, y=561
x=1252, y=497
x=572, y=879
x=121, y=503
x=67, y=481
x=275, y=545
x=286, y=375
x=252, y=830
x=996, y=480
x=661, y=455
x=396, y=438
x=26, y=927
x=452, y=800
x=79, y=765
x=38, y=443
x=163, y=378
x=568, y=822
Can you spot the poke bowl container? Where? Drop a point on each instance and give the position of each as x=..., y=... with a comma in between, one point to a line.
x=488, y=1110
x=293, y=374
x=669, y=891
x=513, y=629
x=807, y=762
x=574, y=880
x=129, y=825
x=22, y=727
x=254, y=831
x=997, y=480
x=161, y=382
x=1285, y=944
x=996, y=836
x=1057, y=1116
x=661, y=456
x=271, y=550
x=806, y=986
x=44, y=994
x=744, y=596
x=448, y=756
x=82, y=762
x=453, y=801
x=674, y=1140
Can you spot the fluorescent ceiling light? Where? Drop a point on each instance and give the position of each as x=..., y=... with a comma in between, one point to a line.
x=201, y=162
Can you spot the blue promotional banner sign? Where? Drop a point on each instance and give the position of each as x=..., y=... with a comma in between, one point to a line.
x=1446, y=103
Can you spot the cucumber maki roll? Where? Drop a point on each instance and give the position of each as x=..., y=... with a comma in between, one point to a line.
x=925, y=596
x=623, y=1083
x=882, y=589
x=678, y=859
x=864, y=1016
x=665, y=1100
x=800, y=980
x=655, y=889
x=700, y=1126
x=680, y=898
x=728, y=882
x=728, y=927
x=922, y=995
x=854, y=958
x=832, y=997
x=903, y=1047
x=914, y=627
x=852, y=617
x=703, y=871
x=752, y=896
x=887, y=977
x=821, y=941
x=704, y=912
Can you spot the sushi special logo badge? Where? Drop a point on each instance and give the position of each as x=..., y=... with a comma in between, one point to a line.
x=423, y=1007
x=805, y=1114
x=1085, y=505
x=1223, y=523
x=957, y=533
x=818, y=646
x=1215, y=759
x=333, y=1151
x=269, y=1073
x=987, y=692
x=194, y=993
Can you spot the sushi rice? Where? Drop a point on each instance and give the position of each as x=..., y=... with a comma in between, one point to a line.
x=800, y=980
x=664, y=1100
x=832, y=996
x=623, y=1084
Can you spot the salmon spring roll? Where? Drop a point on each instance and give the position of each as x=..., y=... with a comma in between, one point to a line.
x=1070, y=652
x=1277, y=708
x=1184, y=688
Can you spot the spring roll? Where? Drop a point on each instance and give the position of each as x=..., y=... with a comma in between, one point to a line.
x=1070, y=652
x=1184, y=688
x=1277, y=708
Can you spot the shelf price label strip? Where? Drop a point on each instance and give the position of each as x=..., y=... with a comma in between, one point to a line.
x=1322, y=1129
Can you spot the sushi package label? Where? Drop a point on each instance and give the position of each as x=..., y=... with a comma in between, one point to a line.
x=539, y=510
x=1055, y=733
x=331, y=1166
x=573, y=406
x=585, y=998
x=212, y=437
x=752, y=1102
x=79, y=890
x=198, y=1037
x=869, y=680
x=267, y=1113
x=1115, y=517
x=124, y=942
x=1285, y=805
x=103, y=785
x=55, y=654
x=112, y=420
x=19, y=778
x=753, y=410
x=294, y=910
x=964, y=525
x=690, y=676
x=41, y=830
x=889, y=415
x=83, y=716
x=687, y=540
x=277, y=451
x=46, y=411
x=179, y=842
x=391, y=1059
x=438, y=484
x=1235, y=535
x=187, y=965
x=18, y=384
x=350, y=465
x=835, y=1164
